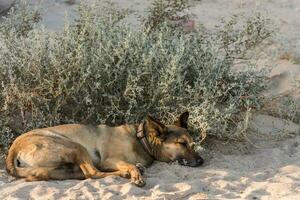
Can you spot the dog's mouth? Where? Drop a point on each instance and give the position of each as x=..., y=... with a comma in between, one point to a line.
x=191, y=163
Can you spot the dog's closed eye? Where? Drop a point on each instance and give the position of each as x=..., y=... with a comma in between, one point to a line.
x=183, y=143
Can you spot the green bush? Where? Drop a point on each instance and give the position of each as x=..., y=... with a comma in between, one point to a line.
x=98, y=70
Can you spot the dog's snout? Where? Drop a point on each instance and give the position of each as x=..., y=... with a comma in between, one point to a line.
x=192, y=163
x=197, y=162
x=200, y=161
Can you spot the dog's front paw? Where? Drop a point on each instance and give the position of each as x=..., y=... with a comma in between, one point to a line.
x=138, y=182
x=137, y=178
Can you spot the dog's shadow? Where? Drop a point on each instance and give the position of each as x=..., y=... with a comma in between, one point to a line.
x=163, y=181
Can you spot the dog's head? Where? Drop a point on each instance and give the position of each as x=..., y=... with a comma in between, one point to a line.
x=176, y=144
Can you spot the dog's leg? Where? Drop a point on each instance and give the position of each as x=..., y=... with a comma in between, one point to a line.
x=47, y=173
x=85, y=163
x=111, y=164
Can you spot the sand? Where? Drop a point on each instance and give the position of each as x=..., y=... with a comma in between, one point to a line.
x=267, y=167
x=232, y=171
x=5, y=5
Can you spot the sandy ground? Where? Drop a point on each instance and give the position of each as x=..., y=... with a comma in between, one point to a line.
x=266, y=168
x=232, y=171
x=5, y=5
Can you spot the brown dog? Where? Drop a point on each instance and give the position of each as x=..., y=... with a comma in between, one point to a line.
x=77, y=151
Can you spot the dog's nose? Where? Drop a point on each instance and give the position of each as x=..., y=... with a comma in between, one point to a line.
x=191, y=163
x=200, y=161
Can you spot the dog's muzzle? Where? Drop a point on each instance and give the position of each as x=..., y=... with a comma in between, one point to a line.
x=191, y=163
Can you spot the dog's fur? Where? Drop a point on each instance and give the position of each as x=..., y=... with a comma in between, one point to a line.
x=77, y=151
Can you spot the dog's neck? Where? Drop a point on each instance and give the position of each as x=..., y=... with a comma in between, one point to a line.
x=141, y=135
x=151, y=144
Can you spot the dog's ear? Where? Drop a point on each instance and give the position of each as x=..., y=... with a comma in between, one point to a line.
x=155, y=127
x=182, y=120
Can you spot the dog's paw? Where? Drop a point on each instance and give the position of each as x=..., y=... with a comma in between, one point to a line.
x=141, y=167
x=139, y=182
x=137, y=178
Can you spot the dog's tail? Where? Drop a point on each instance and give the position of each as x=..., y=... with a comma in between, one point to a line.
x=12, y=165
x=11, y=162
